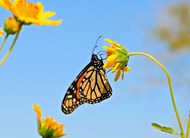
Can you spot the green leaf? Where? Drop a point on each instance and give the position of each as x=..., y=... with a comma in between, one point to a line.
x=165, y=129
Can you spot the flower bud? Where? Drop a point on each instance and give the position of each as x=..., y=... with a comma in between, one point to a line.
x=11, y=26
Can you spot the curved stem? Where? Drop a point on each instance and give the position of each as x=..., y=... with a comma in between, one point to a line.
x=3, y=43
x=12, y=46
x=169, y=82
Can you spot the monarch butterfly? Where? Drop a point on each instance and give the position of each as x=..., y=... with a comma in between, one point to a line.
x=90, y=86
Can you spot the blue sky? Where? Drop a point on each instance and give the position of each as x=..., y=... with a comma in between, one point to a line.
x=47, y=59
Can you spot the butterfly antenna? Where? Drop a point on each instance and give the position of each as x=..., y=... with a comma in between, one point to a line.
x=96, y=44
x=102, y=52
x=108, y=70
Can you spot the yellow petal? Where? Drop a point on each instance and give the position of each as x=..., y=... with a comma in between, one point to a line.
x=1, y=32
x=37, y=109
x=45, y=15
x=109, y=64
x=49, y=22
x=108, y=48
x=117, y=75
x=47, y=122
x=40, y=6
x=115, y=67
x=44, y=22
x=127, y=69
x=112, y=57
x=109, y=41
x=17, y=2
x=59, y=132
x=6, y=4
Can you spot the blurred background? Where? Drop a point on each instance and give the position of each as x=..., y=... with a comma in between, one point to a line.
x=47, y=59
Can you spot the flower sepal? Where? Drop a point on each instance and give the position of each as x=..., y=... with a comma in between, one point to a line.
x=44, y=132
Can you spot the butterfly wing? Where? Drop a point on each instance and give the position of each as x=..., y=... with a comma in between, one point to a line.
x=95, y=86
x=73, y=97
x=90, y=86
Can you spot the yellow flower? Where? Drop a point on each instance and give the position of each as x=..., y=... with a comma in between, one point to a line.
x=117, y=58
x=29, y=13
x=1, y=32
x=11, y=26
x=48, y=127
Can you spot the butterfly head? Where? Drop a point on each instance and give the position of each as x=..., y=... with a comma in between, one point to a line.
x=96, y=61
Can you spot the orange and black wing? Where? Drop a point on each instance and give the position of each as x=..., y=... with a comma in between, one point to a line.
x=90, y=86
x=95, y=86
x=73, y=97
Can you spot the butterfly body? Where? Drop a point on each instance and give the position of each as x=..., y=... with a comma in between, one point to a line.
x=90, y=86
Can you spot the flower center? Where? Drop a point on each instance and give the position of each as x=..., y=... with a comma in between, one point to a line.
x=30, y=9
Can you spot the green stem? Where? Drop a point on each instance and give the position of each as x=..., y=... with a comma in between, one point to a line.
x=12, y=46
x=188, y=127
x=2, y=45
x=170, y=85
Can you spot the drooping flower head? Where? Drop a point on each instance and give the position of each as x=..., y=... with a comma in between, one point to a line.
x=29, y=13
x=117, y=58
x=48, y=127
x=1, y=32
x=11, y=26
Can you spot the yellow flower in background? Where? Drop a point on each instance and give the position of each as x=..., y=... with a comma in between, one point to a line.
x=11, y=26
x=117, y=58
x=1, y=32
x=25, y=13
x=29, y=13
x=48, y=127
